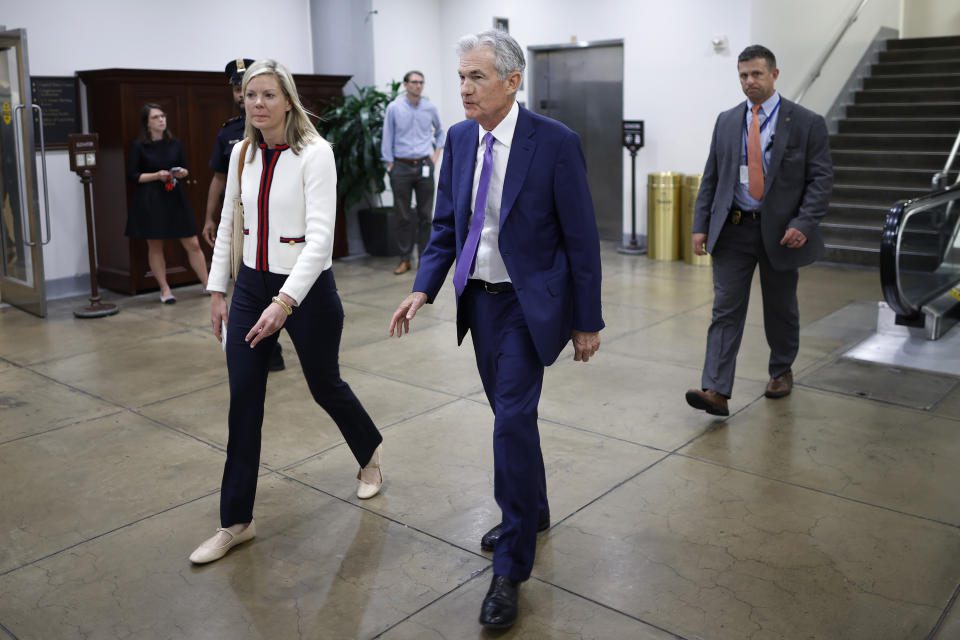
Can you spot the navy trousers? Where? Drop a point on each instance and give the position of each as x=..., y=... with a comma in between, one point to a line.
x=512, y=376
x=738, y=252
x=315, y=328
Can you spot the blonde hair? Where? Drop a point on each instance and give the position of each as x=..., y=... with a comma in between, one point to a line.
x=299, y=130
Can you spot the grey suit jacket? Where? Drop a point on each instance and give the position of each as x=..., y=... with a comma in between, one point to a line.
x=796, y=188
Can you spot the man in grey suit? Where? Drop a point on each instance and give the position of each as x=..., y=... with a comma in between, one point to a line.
x=765, y=188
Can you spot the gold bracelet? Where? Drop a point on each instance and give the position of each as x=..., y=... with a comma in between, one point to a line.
x=283, y=305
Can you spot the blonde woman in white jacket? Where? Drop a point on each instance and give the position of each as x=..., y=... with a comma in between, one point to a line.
x=288, y=191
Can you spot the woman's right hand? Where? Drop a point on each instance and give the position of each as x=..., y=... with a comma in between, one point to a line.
x=163, y=175
x=218, y=313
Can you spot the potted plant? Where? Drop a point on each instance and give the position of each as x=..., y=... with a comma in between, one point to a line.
x=354, y=127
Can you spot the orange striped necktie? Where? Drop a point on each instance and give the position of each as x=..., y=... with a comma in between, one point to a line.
x=755, y=157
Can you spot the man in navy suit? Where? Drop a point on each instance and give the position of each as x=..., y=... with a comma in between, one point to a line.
x=765, y=188
x=527, y=281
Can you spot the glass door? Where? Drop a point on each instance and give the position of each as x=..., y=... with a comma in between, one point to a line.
x=22, y=235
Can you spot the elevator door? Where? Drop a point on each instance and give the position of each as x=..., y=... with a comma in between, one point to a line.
x=21, y=234
x=582, y=87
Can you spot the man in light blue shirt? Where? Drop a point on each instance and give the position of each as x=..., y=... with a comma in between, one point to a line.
x=412, y=141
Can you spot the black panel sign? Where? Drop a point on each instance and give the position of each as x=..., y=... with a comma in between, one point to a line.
x=633, y=135
x=57, y=96
x=83, y=152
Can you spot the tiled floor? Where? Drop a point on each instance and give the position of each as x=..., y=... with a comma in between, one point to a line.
x=821, y=515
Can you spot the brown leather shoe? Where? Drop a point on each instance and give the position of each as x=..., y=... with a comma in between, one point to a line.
x=708, y=400
x=402, y=268
x=780, y=387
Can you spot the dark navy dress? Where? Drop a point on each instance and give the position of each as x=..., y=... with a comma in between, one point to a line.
x=156, y=213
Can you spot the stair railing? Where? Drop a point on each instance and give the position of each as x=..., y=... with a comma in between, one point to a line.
x=818, y=69
x=939, y=180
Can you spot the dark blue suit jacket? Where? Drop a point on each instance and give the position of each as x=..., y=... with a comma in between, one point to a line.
x=548, y=231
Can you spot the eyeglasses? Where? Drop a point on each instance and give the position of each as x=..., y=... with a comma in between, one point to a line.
x=414, y=81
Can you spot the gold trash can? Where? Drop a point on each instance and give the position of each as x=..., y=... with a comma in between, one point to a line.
x=688, y=200
x=663, y=215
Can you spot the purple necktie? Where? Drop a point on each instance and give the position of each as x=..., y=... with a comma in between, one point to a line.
x=469, y=252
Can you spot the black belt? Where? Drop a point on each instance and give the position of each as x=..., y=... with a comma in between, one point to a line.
x=737, y=216
x=493, y=287
x=413, y=161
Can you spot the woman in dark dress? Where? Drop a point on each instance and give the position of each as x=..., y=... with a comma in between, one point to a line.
x=160, y=209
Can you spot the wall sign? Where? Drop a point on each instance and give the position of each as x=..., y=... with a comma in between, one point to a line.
x=57, y=96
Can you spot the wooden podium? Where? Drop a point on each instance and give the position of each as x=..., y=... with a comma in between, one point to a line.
x=196, y=103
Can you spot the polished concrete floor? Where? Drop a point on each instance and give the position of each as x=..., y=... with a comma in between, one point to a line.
x=822, y=515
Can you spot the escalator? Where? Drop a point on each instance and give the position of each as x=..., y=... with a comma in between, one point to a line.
x=920, y=261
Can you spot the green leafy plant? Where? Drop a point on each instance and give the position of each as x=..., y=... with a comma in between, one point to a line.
x=355, y=128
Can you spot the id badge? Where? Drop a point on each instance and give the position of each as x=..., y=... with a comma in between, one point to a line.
x=744, y=174
x=425, y=170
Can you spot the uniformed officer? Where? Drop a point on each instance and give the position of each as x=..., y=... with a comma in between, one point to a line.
x=231, y=132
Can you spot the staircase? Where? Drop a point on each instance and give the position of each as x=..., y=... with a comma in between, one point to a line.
x=895, y=136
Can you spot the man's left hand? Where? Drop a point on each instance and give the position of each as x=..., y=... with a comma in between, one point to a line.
x=585, y=344
x=793, y=239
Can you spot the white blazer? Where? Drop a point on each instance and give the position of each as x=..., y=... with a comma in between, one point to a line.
x=302, y=212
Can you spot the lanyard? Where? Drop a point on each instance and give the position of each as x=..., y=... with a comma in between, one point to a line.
x=763, y=126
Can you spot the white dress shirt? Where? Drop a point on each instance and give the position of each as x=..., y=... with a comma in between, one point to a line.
x=489, y=265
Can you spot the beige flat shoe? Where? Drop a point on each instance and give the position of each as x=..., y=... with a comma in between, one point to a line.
x=222, y=541
x=370, y=477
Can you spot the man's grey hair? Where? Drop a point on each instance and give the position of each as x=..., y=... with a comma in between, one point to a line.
x=507, y=54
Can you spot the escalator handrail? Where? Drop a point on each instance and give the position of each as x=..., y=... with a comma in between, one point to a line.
x=890, y=247
x=889, y=279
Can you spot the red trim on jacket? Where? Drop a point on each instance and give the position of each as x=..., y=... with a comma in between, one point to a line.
x=263, y=205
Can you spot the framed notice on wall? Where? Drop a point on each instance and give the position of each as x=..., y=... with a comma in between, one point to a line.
x=57, y=97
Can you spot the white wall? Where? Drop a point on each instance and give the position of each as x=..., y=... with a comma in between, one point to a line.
x=197, y=35
x=673, y=78
x=799, y=33
x=928, y=18
x=418, y=44
x=343, y=39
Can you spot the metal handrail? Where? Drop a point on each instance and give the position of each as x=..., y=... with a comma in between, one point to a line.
x=43, y=167
x=833, y=45
x=940, y=178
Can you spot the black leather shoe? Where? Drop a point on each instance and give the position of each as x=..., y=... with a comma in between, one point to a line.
x=276, y=359
x=499, y=608
x=489, y=540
